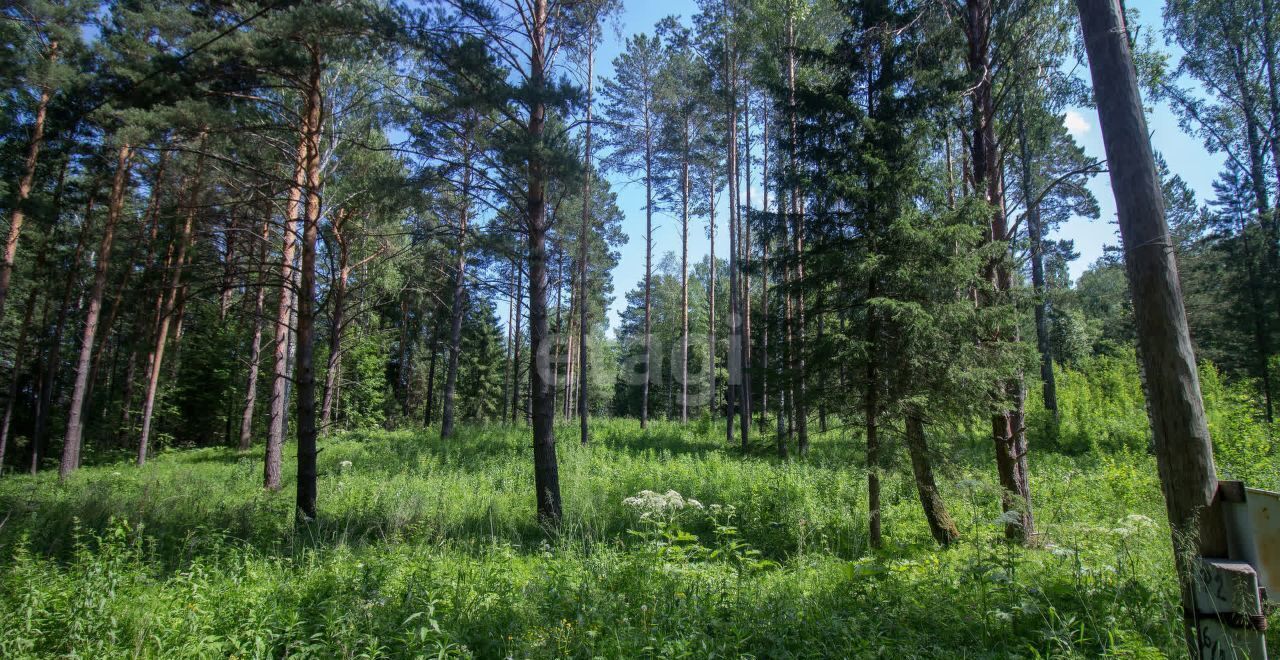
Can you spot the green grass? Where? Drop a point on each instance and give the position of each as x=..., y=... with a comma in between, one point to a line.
x=427, y=548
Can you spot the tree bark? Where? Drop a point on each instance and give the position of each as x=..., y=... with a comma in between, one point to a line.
x=156, y=358
x=799, y=395
x=542, y=404
x=941, y=526
x=1007, y=428
x=519, y=341
x=764, y=276
x=1272, y=220
x=584, y=251
x=337, y=320
x=684, y=276
x=1184, y=452
x=255, y=344
x=744, y=234
x=431, y=374
x=17, y=217
x=459, y=301
x=284, y=312
x=1257, y=178
x=306, y=400
x=711, y=299
x=648, y=262
x=871, y=413
x=20, y=350
x=75, y=430
x=508, y=377
x=53, y=363
x=734, y=355
x=1035, y=233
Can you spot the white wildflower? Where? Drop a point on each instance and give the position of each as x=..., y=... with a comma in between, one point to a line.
x=647, y=502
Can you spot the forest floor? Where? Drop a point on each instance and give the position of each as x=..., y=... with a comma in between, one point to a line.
x=427, y=548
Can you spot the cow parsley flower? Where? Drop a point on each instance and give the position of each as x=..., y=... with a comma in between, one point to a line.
x=648, y=502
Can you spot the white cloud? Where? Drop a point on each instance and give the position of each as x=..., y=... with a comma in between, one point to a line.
x=1076, y=124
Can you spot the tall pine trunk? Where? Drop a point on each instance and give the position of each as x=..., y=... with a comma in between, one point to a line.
x=53, y=361
x=871, y=414
x=306, y=373
x=711, y=299
x=1035, y=233
x=1007, y=428
x=648, y=263
x=542, y=404
x=584, y=251
x=459, y=301
x=255, y=343
x=75, y=414
x=684, y=277
x=734, y=355
x=17, y=217
x=156, y=358
x=280, y=352
x=744, y=235
x=518, y=341
x=337, y=320
x=799, y=396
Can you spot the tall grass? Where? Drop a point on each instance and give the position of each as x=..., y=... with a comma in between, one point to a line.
x=1101, y=410
x=430, y=548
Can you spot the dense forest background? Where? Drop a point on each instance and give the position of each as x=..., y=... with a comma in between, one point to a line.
x=283, y=227
x=157, y=186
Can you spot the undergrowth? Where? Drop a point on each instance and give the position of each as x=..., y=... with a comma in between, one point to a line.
x=427, y=548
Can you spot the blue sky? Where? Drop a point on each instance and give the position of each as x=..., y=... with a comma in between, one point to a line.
x=1185, y=155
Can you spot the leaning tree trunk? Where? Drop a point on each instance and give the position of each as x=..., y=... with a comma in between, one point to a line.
x=156, y=359
x=75, y=414
x=1184, y=452
x=941, y=525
